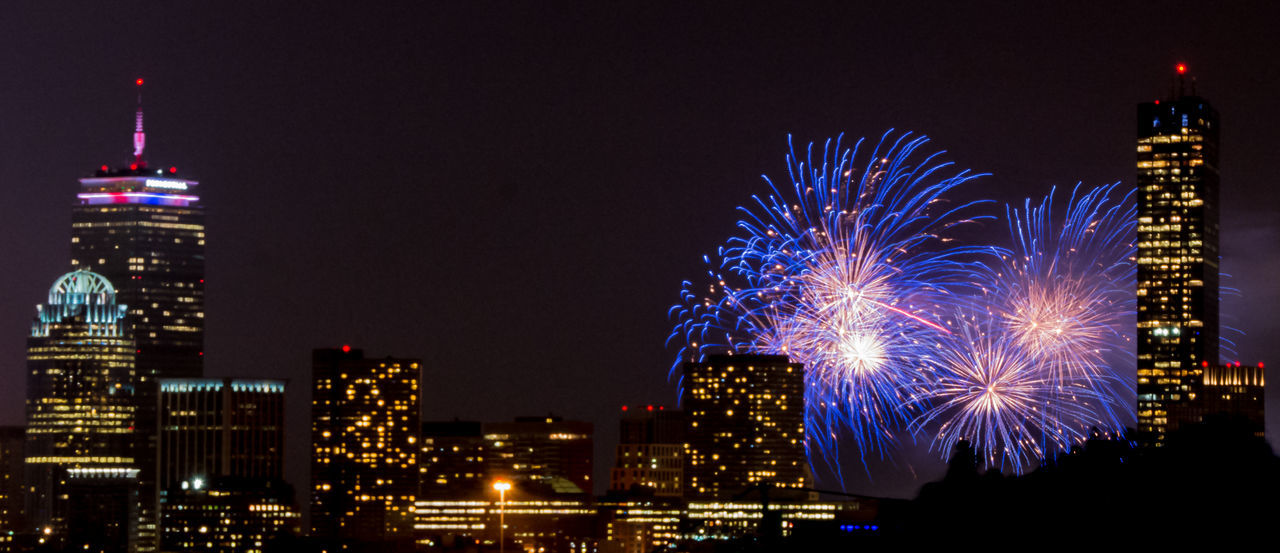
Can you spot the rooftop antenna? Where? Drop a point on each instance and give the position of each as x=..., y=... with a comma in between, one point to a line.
x=1181, y=68
x=139, y=136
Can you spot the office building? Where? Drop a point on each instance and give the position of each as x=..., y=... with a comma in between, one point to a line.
x=102, y=509
x=80, y=396
x=228, y=513
x=452, y=464
x=745, y=426
x=142, y=227
x=365, y=426
x=1232, y=390
x=1178, y=252
x=220, y=427
x=214, y=428
x=650, y=454
x=532, y=447
x=544, y=514
x=1236, y=390
x=12, y=463
x=640, y=525
x=720, y=520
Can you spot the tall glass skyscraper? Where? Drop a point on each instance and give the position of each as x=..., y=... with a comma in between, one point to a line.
x=1177, y=255
x=143, y=229
x=81, y=406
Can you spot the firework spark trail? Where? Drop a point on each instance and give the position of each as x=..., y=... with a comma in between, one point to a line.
x=993, y=391
x=847, y=270
x=1026, y=372
x=1065, y=294
x=851, y=271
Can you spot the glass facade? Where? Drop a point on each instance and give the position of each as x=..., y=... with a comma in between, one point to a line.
x=220, y=427
x=143, y=229
x=1178, y=209
x=81, y=405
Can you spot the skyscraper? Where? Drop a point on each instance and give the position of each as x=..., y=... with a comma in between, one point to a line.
x=365, y=423
x=221, y=463
x=1177, y=254
x=220, y=427
x=746, y=425
x=143, y=229
x=80, y=395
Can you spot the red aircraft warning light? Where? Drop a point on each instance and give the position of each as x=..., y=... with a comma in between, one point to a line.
x=1181, y=67
x=139, y=81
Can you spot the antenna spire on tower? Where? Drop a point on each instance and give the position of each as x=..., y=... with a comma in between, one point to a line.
x=139, y=136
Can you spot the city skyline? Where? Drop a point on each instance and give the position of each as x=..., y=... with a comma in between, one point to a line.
x=305, y=230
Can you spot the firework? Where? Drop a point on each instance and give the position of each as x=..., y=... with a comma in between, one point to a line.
x=1065, y=292
x=1025, y=371
x=992, y=390
x=847, y=268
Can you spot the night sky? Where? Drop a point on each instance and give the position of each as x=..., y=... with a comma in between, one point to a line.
x=513, y=192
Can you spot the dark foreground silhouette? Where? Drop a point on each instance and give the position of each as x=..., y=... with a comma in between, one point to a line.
x=1212, y=479
x=1213, y=482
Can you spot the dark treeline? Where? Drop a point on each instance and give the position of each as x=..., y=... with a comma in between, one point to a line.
x=1216, y=478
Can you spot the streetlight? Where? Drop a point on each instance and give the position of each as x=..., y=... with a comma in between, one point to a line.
x=502, y=486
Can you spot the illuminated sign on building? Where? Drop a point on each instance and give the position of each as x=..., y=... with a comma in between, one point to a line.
x=170, y=184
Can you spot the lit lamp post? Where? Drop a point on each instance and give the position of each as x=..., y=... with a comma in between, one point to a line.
x=502, y=486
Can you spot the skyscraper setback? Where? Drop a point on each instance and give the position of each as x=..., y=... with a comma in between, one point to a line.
x=143, y=229
x=1177, y=254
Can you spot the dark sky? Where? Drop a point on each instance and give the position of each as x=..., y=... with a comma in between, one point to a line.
x=514, y=191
